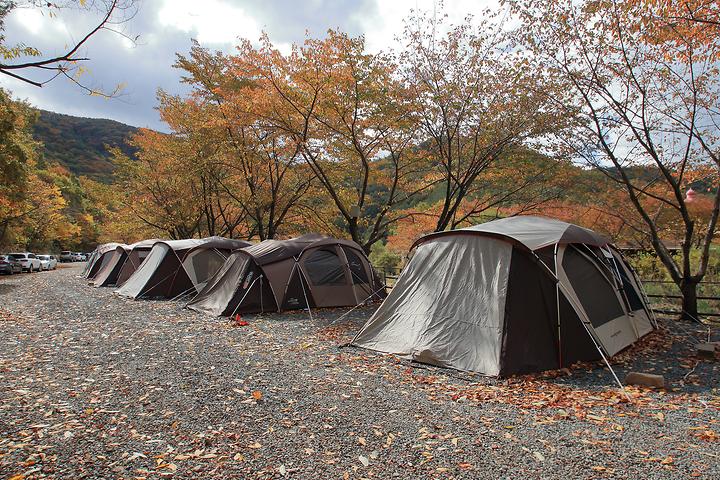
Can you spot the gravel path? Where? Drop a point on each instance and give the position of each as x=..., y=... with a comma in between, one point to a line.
x=96, y=386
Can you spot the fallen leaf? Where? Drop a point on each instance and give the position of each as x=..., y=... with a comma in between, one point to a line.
x=364, y=460
x=257, y=394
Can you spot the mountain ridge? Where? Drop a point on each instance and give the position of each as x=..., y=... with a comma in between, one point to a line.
x=80, y=143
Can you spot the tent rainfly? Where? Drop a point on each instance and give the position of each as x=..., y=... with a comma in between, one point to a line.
x=303, y=272
x=108, y=274
x=515, y=295
x=173, y=268
x=99, y=258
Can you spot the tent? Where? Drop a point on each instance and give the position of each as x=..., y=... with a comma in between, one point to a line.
x=514, y=295
x=303, y=272
x=163, y=273
x=135, y=257
x=99, y=258
x=109, y=273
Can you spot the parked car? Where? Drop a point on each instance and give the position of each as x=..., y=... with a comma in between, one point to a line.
x=78, y=257
x=10, y=265
x=30, y=262
x=66, y=256
x=48, y=262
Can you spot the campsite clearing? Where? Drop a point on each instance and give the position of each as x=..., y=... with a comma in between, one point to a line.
x=94, y=385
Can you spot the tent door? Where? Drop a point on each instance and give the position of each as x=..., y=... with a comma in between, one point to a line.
x=328, y=276
x=596, y=299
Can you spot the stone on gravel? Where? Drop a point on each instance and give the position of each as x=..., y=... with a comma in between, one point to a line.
x=645, y=379
x=706, y=350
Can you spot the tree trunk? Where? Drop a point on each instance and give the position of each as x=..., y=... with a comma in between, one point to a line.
x=688, y=289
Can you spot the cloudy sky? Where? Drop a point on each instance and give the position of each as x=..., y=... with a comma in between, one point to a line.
x=167, y=26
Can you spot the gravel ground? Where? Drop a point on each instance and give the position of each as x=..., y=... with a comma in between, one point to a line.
x=96, y=386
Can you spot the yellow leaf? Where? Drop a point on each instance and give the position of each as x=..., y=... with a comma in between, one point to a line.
x=257, y=394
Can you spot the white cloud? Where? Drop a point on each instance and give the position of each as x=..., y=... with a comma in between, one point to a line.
x=381, y=30
x=210, y=21
x=30, y=19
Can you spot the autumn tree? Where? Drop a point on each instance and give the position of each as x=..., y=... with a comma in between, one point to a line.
x=643, y=90
x=160, y=185
x=474, y=99
x=347, y=116
x=17, y=156
x=262, y=169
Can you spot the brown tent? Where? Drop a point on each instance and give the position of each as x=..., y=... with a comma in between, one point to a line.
x=514, y=295
x=109, y=274
x=134, y=259
x=304, y=272
x=99, y=258
x=163, y=273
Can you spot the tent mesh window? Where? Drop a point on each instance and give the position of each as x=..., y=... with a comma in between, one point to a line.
x=325, y=268
x=595, y=293
x=632, y=295
x=204, y=264
x=357, y=269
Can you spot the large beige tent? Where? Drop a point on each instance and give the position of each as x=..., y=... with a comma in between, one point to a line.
x=304, y=272
x=515, y=295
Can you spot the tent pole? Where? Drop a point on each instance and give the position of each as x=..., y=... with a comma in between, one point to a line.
x=303, y=289
x=557, y=302
x=356, y=306
x=243, y=297
x=262, y=310
x=602, y=354
x=368, y=289
x=587, y=329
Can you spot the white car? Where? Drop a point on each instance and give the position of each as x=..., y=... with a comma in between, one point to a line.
x=48, y=262
x=30, y=262
x=78, y=257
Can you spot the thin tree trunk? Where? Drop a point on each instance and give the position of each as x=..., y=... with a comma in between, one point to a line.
x=688, y=289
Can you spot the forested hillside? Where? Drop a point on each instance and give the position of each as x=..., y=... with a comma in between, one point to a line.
x=80, y=143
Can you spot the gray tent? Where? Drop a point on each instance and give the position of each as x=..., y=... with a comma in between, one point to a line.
x=274, y=275
x=99, y=258
x=109, y=273
x=165, y=274
x=134, y=259
x=510, y=296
